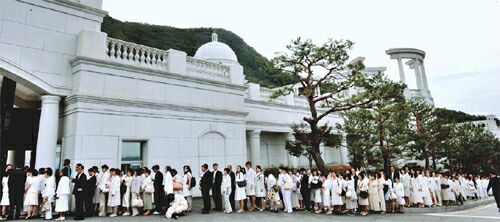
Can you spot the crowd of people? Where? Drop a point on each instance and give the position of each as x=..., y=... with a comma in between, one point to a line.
x=112, y=192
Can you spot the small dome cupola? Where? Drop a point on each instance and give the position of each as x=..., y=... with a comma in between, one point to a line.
x=216, y=51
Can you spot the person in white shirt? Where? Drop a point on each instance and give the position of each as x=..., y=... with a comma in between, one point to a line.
x=336, y=192
x=187, y=186
x=178, y=205
x=48, y=193
x=260, y=187
x=436, y=184
x=405, y=180
x=381, y=196
x=399, y=191
x=286, y=189
x=240, y=194
x=351, y=196
x=5, y=191
x=103, y=190
x=250, y=188
x=114, y=192
x=62, y=195
x=226, y=190
x=127, y=179
x=168, y=181
x=31, y=193
x=272, y=193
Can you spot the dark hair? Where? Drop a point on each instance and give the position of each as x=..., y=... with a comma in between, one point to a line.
x=155, y=167
x=41, y=171
x=112, y=170
x=188, y=168
x=35, y=172
x=91, y=170
x=29, y=170
x=215, y=164
x=493, y=173
x=96, y=169
x=258, y=167
x=48, y=171
x=248, y=163
x=168, y=168
x=170, y=197
x=130, y=170
x=66, y=162
x=139, y=171
x=105, y=166
x=64, y=172
x=204, y=166
x=227, y=170
x=362, y=175
x=173, y=172
x=80, y=165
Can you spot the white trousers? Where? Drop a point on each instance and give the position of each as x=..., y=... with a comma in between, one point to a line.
x=102, y=204
x=177, y=209
x=227, y=204
x=48, y=213
x=287, y=200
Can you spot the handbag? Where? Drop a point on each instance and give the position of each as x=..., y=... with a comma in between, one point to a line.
x=445, y=186
x=149, y=189
x=177, y=186
x=393, y=196
x=363, y=194
x=288, y=186
x=137, y=202
x=348, y=194
x=242, y=183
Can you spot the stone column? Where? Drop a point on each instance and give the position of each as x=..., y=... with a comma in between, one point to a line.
x=47, y=133
x=401, y=70
x=418, y=76
x=424, y=76
x=343, y=151
x=254, y=142
x=292, y=160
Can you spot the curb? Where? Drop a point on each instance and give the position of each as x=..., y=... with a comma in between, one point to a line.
x=467, y=205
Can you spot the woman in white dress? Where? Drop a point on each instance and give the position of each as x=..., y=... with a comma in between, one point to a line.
x=136, y=190
x=260, y=188
x=373, y=195
x=48, y=193
x=336, y=190
x=416, y=191
x=226, y=191
x=399, y=191
x=471, y=188
x=389, y=195
x=126, y=197
x=363, y=184
x=31, y=193
x=186, y=186
x=480, y=191
x=316, y=186
x=405, y=180
x=240, y=194
x=381, y=183
x=114, y=192
x=295, y=195
x=272, y=193
x=351, y=203
x=425, y=191
x=62, y=195
x=325, y=192
x=5, y=191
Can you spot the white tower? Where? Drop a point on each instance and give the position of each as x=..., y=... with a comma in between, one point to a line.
x=415, y=60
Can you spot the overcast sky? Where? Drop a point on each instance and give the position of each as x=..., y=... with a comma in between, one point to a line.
x=461, y=38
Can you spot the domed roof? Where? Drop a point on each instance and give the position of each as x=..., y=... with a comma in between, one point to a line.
x=216, y=51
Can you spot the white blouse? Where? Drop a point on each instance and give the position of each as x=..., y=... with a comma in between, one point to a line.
x=63, y=187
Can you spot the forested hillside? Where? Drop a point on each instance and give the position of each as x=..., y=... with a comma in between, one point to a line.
x=257, y=68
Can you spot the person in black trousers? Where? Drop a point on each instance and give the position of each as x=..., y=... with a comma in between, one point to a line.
x=17, y=178
x=90, y=186
x=494, y=184
x=305, y=190
x=216, y=184
x=233, y=186
x=159, y=194
x=205, y=185
x=79, y=191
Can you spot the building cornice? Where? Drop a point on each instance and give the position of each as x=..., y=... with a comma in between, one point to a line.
x=154, y=72
x=74, y=5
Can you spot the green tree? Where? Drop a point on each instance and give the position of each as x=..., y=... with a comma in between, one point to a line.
x=324, y=67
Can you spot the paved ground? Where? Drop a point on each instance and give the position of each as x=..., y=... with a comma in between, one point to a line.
x=483, y=213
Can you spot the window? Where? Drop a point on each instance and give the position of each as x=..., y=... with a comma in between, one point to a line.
x=132, y=154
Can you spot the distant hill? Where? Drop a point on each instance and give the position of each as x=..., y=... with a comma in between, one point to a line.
x=453, y=116
x=257, y=68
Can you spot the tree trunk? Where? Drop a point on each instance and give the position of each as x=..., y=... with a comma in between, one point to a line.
x=385, y=152
x=316, y=155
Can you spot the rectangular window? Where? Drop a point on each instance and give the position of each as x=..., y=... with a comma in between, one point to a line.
x=132, y=154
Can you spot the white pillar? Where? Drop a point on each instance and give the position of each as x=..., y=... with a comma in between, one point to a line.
x=424, y=76
x=293, y=161
x=418, y=76
x=254, y=141
x=47, y=133
x=343, y=151
x=401, y=71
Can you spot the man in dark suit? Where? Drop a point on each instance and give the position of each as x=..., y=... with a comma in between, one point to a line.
x=393, y=174
x=79, y=191
x=159, y=194
x=17, y=178
x=216, y=184
x=305, y=190
x=233, y=186
x=89, y=189
x=494, y=184
x=205, y=185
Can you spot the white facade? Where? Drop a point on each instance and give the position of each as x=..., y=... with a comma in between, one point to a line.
x=101, y=97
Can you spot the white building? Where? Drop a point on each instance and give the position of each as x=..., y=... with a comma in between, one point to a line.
x=489, y=124
x=106, y=101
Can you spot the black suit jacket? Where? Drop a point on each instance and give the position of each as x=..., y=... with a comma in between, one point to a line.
x=206, y=180
x=233, y=179
x=218, y=180
x=304, y=184
x=90, y=185
x=158, y=181
x=396, y=174
x=80, y=181
x=494, y=184
x=17, y=178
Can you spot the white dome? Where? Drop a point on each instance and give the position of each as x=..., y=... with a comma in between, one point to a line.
x=216, y=51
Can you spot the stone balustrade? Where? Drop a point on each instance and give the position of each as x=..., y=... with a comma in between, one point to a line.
x=207, y=70
x=258, y=93
x=131, y=53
